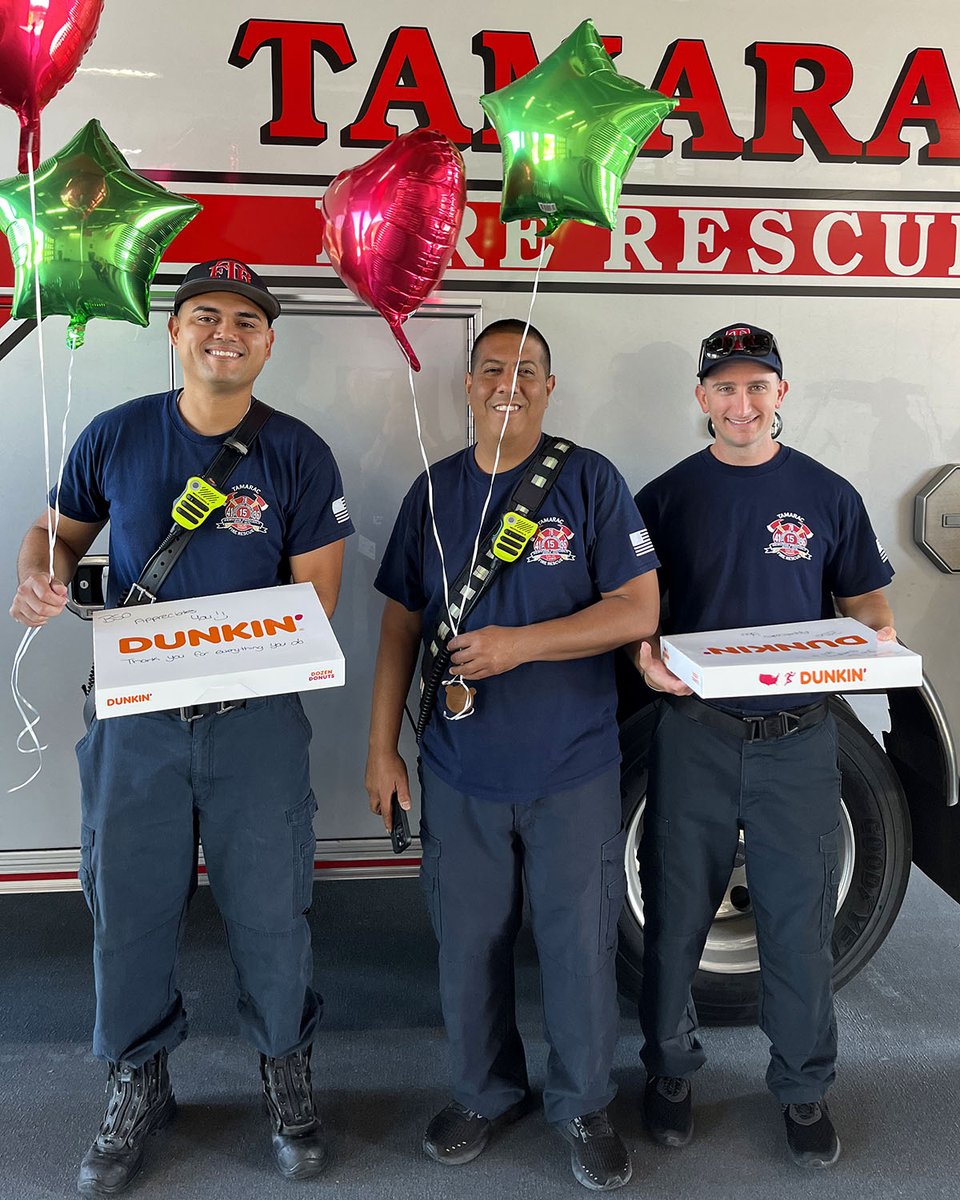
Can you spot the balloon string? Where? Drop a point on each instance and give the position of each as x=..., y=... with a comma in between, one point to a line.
x=37, y=254
x=453, y=622
x=28, y=713
x=458, y=679
x=506, y=417
x=25, y=708
x=63, y=459
x=433, y=515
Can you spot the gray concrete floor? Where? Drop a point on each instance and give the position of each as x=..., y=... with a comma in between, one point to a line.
x=380, y=1070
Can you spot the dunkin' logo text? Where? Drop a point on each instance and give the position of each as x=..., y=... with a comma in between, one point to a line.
x=834, y=675
x=141, y=698
x=826, y=675
x=847, y=639
x=213, y=635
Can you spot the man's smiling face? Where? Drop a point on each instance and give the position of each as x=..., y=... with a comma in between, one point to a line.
x=741, y=399
x=491, y=394
x=222, y=339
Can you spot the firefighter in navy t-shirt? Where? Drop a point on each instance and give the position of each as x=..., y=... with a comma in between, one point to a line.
x=796, y=540
x=237, y=772
x=523, y=794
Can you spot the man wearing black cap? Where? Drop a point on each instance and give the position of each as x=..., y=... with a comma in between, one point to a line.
x=749, y=533
x=237, y=772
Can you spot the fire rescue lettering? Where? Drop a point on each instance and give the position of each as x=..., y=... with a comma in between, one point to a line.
x=846, y=639
x=799, y=247
x=214, y=634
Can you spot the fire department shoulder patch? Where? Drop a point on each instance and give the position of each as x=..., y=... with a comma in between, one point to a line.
x=552, y=543
x=243, y=511
x=791, y=534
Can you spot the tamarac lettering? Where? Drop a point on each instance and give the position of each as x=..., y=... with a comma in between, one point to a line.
x=240, y=631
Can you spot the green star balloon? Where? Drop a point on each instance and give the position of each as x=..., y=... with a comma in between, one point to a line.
x=100, y=232
x=570, y=130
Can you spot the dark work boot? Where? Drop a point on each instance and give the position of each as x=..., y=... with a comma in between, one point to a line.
x=299, y=1144
x=140, y=1102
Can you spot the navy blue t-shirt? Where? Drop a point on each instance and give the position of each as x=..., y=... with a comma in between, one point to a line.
x=131, y=462
x=765, y=545
x=544, y=726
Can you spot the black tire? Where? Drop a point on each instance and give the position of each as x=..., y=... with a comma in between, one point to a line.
x=875, y=867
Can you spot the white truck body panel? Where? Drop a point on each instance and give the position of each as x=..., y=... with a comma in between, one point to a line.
x=702, y=240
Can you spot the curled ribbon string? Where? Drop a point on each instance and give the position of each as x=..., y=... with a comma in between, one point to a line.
x=29, y=715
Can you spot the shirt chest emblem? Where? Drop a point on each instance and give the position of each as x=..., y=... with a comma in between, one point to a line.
x=551, y=546
x=243, y=511
x=791, y=535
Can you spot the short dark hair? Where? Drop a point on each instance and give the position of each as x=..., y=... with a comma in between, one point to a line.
x=511, y=325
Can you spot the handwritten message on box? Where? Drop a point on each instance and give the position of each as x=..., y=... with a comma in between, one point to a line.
x=840, y=655
x=213, y=649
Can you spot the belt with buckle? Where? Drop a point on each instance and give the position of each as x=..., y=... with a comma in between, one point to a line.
x=751, y=729
x=193, y=712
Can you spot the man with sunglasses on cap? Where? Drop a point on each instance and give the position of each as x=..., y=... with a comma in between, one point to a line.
x=235, y=773
x=766, y=766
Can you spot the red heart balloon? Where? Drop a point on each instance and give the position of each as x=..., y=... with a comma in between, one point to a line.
x=41, y=45
x=391, y=225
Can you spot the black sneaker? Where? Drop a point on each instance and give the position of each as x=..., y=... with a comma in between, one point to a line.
x=457, y=1134
x=811, y=1136
x=598, y=1157
x=668, y=1109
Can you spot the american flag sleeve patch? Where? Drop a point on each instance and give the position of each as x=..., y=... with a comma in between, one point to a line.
x=340, y=510
x=641, y=543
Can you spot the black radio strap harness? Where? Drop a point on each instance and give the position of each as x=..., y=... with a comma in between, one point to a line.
x=502, y=546
x=202, y=496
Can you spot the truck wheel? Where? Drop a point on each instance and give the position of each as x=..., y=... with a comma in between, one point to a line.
x=875, y=860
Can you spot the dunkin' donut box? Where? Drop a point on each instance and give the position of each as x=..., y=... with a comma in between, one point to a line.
x=213, y=649
x=839, y=655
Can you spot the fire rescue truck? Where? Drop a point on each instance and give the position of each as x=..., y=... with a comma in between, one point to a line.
x=807, y=181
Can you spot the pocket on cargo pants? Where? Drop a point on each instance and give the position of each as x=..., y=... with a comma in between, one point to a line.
x=87, y=880
x=430, y=877
x=830, y=853
x=613, y=889
x=300, y=820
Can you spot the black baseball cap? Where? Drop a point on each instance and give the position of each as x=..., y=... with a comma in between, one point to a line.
x=739, y=342
x=227, y=275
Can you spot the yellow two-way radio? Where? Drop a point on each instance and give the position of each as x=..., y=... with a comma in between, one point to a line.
x=196, y=502
x=512, y=536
